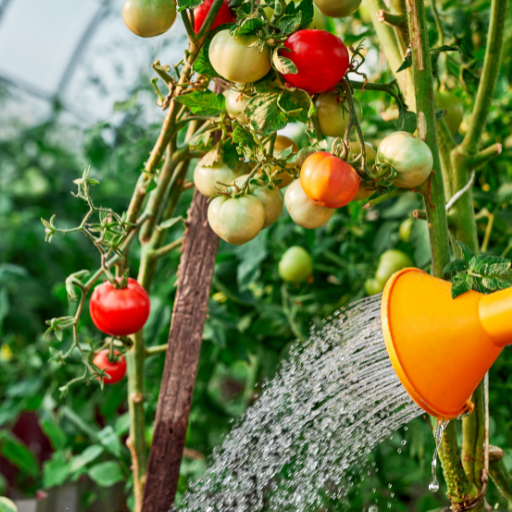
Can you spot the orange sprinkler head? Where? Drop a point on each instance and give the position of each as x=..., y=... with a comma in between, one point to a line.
x=440, y=347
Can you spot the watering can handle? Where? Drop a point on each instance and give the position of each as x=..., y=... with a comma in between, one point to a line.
x=495, y=312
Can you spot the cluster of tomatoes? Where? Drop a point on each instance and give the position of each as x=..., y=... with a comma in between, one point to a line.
x=117, y=312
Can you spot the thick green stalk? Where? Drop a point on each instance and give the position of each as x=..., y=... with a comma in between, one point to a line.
x=499, y=473
x=432, y=190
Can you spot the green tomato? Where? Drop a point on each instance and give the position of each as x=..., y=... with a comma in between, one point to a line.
x=234, y=59
x=236, y=102
x=303, y=210
x=206, y=177
x=338, y=8
x=406, y=229
x=6, y=505
x=271, y=199
x=454, y=109
x=295, y=265
x=390, y=262
x=237, y=220
x=149, y=18
x=410, y=156
x=333, y=113
x=373, y=286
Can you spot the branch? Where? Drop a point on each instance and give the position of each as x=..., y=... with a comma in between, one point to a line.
x=385, y=197
x=499, y=473
x=484, y=156
x=158, y=349
x=166, y=249
x=489, y=77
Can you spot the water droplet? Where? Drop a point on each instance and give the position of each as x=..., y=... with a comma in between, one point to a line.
x=406, y=428
x=404, y=442
x=438, y=435
x=373, y=508
x=390, y=485
x=374, y=490
x=399, y=451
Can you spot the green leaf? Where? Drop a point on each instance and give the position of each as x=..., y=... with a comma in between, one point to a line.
x=90, y=454
x=264, y=113
x=283, y=64
x=307, y=13
x=4, y=305
x=440, y=114
x=151, y=186
x=289, y=22
x=106, y=474
x=249, y=26
x=202, y=65
x=466, y=251
x=295, y=104
x=56, y=470
x=246, y=145
x=54, y=433
x=462, y=283
x=406, y=121
x=204, y=103
x=407, y=63
x=18, y=454
x=251, y=256
x=188, y=4
x=455, y=266
x=123, y=424
x=6, y=505
x=110, y=440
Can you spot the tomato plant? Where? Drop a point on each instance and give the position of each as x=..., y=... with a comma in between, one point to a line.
x=304, y=211
x=237, y=219
x=295, y=265
x=149, y=18
x=333, y=113
x=321, y=59
x=236, y=60
x=119, y=311
x=115, y=369
x=208, y=179
x=328, y=180
x=409, y=156
x=223, y=16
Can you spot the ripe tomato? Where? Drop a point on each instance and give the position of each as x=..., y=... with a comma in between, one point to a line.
x=338, y=8
x=119, y=312
x=304, y=211
x=223, y=16
x=236, y=220
x=114, y=370
x=390, y=262
x=282, y=143
x=321, y=59
x=454, y=109
x=328, y=180
x=295, y=265
x=271, y=199
x=410, y=156
x=235, y=60
x=206, y=178
x=333, y=114
x=235, y=105
x=149, y=18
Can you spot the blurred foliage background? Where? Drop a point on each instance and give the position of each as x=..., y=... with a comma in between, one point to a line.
x=47, y=441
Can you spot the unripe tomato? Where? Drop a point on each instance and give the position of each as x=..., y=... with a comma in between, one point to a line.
x=149, y=18
x=410, y=156
x=114, y=370
x=236, y=102
x=328, y=180
x=454, y=109
x=304, y=211
x=405, y=230
x=234, y=60
x=333, y=113
x=119, y=311
x=321, y=59
x=295, y=265
x=236, y=220
x=223, y=16
x=206, y=178
x=390, y=262
x=373, y=286
x=282, y=143
x=338, y=8
x=271, y=199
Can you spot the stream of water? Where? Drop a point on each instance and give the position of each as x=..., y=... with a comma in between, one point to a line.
x=332, y=402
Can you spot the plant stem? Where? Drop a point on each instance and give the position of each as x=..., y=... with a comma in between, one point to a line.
x=499, y=473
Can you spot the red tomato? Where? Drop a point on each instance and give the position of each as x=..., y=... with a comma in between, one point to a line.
x=114, y=370
x=321, y=59
x=328, y=180
x=119, y=312
x=223, y=16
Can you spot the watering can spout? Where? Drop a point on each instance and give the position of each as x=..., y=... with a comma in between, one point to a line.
x=440, y=347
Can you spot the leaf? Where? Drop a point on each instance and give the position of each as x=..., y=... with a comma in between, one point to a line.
x=406, y=121
x=151, y=186
x=123, y=424
x=188, y=4
x=246, y=145
x=455, y=266
x=205, y=103
x=90, y=454
x=289, y=22
x=462, y=283
x=18, y=454
x=264, y=113
x=283, y=64
x=440, y=114
x=106, y=474
x=307, y=13
x=110, y=440
x=250, y=26
x=202, y=65
x=169, y=223
x=251, y=256
x=6, y=505
x=295, y=104
x=4, y=305
x=466, y=251
x=56, y=470
x=407, y=63
x=54, y=433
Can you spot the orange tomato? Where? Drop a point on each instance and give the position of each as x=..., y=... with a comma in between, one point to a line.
x=328, y=180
